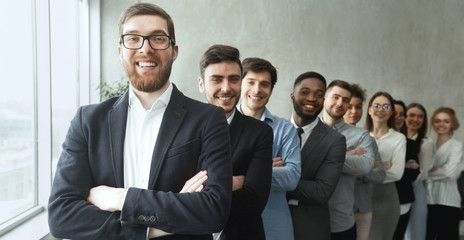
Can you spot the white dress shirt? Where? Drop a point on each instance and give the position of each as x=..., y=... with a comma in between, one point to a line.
x=308, y=129
x=141, y=134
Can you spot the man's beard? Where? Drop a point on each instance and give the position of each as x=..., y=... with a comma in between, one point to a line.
x=148, y=83
x=305, y=117
x=335, y=116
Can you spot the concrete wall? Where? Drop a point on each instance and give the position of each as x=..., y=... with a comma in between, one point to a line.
x=412, y=49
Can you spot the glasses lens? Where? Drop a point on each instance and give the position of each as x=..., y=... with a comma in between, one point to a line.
x=132, y=41
x=159, y=41
x=386, y=107
x=376, y=106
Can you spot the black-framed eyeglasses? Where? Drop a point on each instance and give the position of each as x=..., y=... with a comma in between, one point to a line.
x=136, y=41
x=378, y=106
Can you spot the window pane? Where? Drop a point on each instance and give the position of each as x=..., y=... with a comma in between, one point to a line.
x=64, y=52
x=17, y=117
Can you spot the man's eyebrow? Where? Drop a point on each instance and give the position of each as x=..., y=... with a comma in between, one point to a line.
x=155, y=32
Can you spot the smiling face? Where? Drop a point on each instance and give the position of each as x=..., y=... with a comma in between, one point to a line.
x=336, y=102
x=442, y=124
x=354, y=113
x=308, y=100
x=414, y=119
x=256, y=90
x=148, y=69
x=221, y=85
x=380, y=115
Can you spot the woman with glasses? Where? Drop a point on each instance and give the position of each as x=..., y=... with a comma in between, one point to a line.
x=363, y=185
x=416, y=129
x=380, y=121
x=405, y=185
x=443, y=199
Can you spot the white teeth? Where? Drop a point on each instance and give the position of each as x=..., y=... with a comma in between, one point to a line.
x=224, y=98
x=308, y=106
x=147, y=64
x=255, y=98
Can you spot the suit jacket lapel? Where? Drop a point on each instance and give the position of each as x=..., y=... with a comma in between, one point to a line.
x=117, y=120
x=172, y=119
x=313, y=141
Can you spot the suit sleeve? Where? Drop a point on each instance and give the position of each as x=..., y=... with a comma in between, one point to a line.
x=360, y=165
x=320, y=189
x=286, y=178
x=70, y=215
x=256, y=187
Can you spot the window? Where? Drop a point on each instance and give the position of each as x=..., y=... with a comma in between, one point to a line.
x=45, y=76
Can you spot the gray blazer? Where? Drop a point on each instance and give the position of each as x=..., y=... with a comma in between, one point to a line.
x=322, y=159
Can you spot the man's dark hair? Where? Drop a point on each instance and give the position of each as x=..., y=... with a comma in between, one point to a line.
x=258, y=65
x=219, y=53
x=358, y=92
x=306, y=75
x=147, y=9
x=341, y=84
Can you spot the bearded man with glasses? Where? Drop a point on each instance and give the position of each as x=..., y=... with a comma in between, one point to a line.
x=150, y=163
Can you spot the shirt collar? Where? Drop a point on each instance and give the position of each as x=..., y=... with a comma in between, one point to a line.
x=229, y=119
x=163, y=99
x=308, y=128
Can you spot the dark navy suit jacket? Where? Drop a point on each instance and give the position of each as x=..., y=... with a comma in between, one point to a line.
x=193, y=136
x=251, y=144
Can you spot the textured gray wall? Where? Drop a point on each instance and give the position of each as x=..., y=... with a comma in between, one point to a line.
x=412, y=49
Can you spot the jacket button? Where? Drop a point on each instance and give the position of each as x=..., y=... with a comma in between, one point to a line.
x=141, y=218
x=152, y=218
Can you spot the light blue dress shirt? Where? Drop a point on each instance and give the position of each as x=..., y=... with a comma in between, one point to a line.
x=276, y=215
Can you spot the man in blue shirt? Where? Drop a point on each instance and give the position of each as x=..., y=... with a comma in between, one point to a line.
x=259, y=78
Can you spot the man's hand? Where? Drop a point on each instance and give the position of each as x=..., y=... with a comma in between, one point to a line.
x=107, y=198
x=356, y=151
x=277, y=162
x=237, y=182
x=195, y=184
x=412, y=164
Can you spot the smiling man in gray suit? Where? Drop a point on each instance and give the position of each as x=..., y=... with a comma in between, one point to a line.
x=322, y=157
x=125, y=161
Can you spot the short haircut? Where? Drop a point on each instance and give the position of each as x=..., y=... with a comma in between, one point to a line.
x=219, y=53
x=358, y=92
x=147, y=9
x=306, y=75
x=391, y=121
x=341, y=84
x=259, y=65
x=451, y=113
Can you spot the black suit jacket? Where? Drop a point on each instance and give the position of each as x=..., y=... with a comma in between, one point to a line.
x=322, y=159
x=193, y=136
x=251, y=142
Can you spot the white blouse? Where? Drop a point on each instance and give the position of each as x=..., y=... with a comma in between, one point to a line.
x=442, y=187
x=392, y=147
x=427, y=151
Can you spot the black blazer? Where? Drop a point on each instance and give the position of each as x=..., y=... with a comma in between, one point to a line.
x=322, y=159
x=251, y=142
x=404, y=185
x=193, y=136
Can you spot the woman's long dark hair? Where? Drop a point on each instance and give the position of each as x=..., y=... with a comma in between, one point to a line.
x=423, y=129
